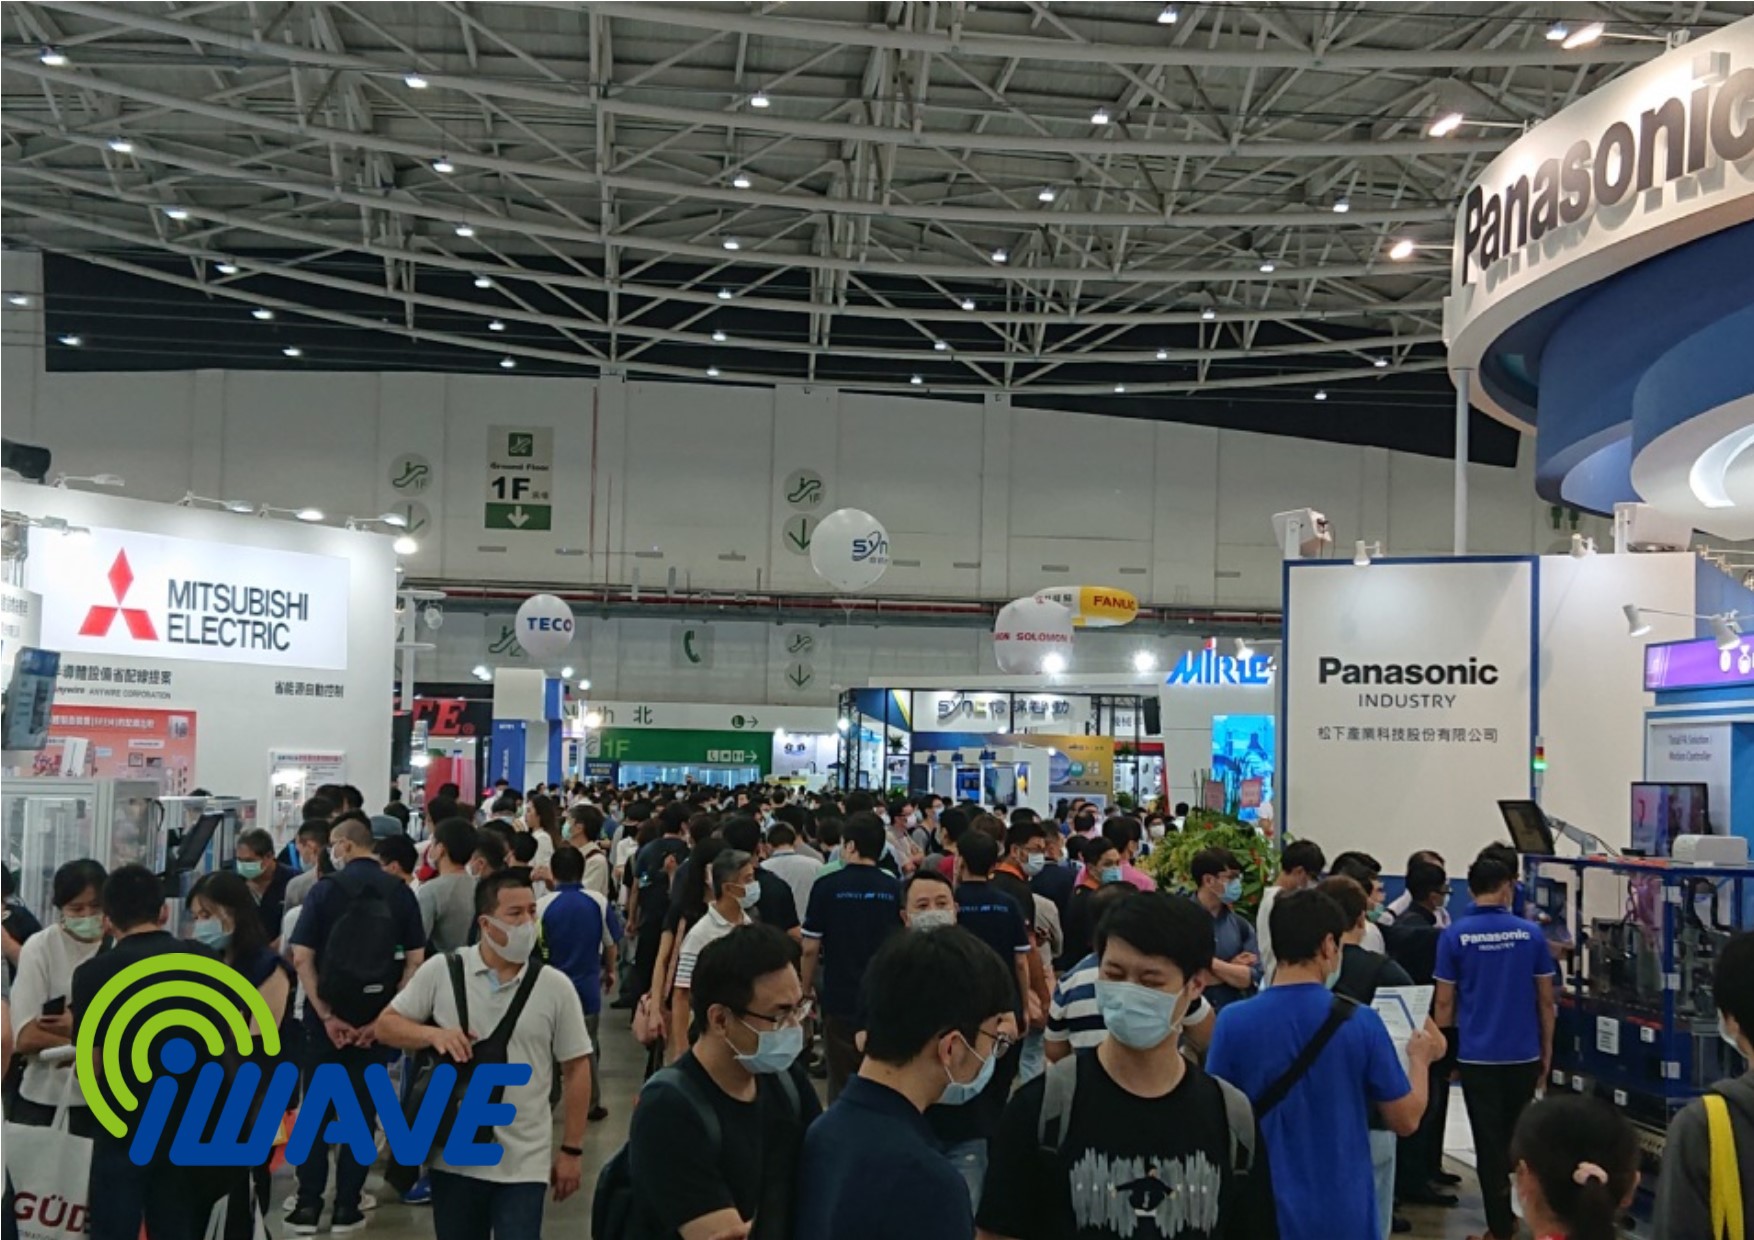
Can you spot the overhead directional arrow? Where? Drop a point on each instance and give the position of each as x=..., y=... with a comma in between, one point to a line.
x=799, y=675
x=519, y=518
x=800, y=536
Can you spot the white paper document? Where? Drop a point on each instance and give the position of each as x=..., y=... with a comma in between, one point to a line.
x=1403, y=1009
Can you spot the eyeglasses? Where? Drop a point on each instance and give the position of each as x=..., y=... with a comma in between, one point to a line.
x=781, y=1020
x=1001, y=1044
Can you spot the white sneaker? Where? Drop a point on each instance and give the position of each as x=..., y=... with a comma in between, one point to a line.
x=366, y=1202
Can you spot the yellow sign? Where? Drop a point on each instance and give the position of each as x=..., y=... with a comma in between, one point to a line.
x=1095, y=607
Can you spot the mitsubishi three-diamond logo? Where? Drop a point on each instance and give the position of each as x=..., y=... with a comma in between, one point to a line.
x=100, y=618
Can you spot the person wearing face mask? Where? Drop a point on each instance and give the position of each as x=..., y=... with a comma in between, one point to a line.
x=928, y=902
x=1314, y=1064
x=735, y=892
x=267, y=878
x=1236, y=963
x=775, y=904
x=1101, y=862
x=740, y=1080
x=311, y=847
x=1127, y=835
x=1576, y=1164
x=1412, y=938
x=518, y=1011
x=1300, y=868
x=40, y=989
x=939, y=1019
x=1131, y=1139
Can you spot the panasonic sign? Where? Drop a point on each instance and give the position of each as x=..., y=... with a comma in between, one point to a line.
x=150, y=596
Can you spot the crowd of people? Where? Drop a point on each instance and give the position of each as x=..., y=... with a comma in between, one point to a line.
x=1017, y=1034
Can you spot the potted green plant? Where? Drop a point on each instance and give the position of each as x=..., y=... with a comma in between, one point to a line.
x=1172, y=857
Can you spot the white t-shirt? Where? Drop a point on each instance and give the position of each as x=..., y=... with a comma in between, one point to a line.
x=551, y=1029
x=45, y=972
x=1264, y=933
x=800, y=873
x=708, y=929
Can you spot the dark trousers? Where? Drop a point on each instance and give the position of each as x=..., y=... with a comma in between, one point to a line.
x=464, y=1208
x=1419, y=1158
x=167, y=1200
x=1495, y=1095
x=844, y=1056
x=313, y=1172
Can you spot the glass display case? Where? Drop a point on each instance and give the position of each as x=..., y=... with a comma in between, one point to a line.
x=49, y=822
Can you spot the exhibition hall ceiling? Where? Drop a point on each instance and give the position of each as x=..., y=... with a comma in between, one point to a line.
x=1183, y=211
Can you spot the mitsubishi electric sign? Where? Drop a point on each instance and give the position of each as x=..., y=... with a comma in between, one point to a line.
x=121, y=592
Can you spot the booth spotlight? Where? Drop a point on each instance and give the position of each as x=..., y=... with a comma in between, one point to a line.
x=1581, y=547
x=1144, y=661
x=480, y=672
x=405, y=545
x=843, y=724
x=566, y=673
x=1243, y=649
x=1053, y=663
x=1726, y=631
x=585, y=685
x=1363, y=551
x=97, y=480
x=1726, y=626
x=1636, y=624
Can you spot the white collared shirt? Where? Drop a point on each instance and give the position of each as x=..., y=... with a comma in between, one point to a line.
x=708, y=929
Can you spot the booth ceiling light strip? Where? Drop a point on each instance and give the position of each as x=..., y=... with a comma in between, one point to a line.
x=1094, y=167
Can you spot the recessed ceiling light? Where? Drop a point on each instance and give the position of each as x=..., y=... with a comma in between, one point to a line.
x=1167, y=15
x=741, y=181
x=18, y=299
x=176, y=213
x=263, y=313
x=443, y=166
x=942, y=346
x=497, y=325
x=712, y=372
x=1446, y=124
x=1001, y=255
x=53, y=57
x=1341, y=206
x=463, y=230
x=121, y=146
x=72, y=341
x=1208, y=314
x=1401, y=249
x=1163, y=355
x=726, y=294
x=759, y=99
x=1321, y=394
x=292, y=350
x=1381, y=363
x=1099, y=117
x=1119, y=388
x=731, y=243
x=915, y=380
x=507, y=363
x=1046, y=194
x=968, y=303
x=483, y=282
x=413, y=81
x=226, y=269
x=1268, y=267
x=1557, y=32
x=719, y=336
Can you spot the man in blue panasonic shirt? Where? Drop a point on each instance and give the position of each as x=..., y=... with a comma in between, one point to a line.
x=1495, y=984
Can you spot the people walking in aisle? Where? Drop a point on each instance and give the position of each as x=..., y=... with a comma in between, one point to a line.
x=312, y=844
x=789, y=862
x=531, y=1015
x=939, y=1018
x=584, y=831
x=39, y=998
x=775, y=905
x=1101, y=866
x=1575, y=1169
x=1236, y=960
x=731, y=882
x=268, y=879
x=1495, y=984
x=580, y=929
x=1412, y=938
x=447, y=900
x=1300, y=868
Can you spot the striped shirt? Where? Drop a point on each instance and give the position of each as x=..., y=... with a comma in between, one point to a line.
x=1073, y=1015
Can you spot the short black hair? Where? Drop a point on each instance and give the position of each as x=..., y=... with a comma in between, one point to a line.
x=1305, y=855
x=864, y=831
x=925, y=874
x=568, y=864
x=919, y=987
x=505, y=803
x=1488, y=874
x=1181, y=809
x=1212, y=861
x=133, y=896
x=1301, y=922
x=954, y=821
x=1021, y=831
x=257, y=840
x=73, y=878
x=588, y=819
x=1085, y=823
x=828, y=829
x=491, y=849
x=742, y=832
x=637, y=810
x=1349, y=866
x=791, y=815
x=317, y=807
x=728, y=969
x=1023, y=814
x=1353, y=862
x=523, y=848
x=979, y=852
x=352, y=798
x=1426, y=855
x=1733, y=982
x=860, y=802
x=456, y=838
x=1160, y=924
x=397, y=850
x=1122, y=831
x=1348, y=893
x=781, y=835
x=395, y=809
x=314, y=829
x=1423, y=878
x=488, y=889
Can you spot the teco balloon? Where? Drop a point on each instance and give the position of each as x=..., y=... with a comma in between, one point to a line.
x=544, y=627
x=1028, y=630
x=849, y=549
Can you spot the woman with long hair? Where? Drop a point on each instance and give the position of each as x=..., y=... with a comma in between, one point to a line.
x=542, y=820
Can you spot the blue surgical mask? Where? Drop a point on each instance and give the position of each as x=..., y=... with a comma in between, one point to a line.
x=85, y=929
x=211, y=932
x=1137, y=1016
x=1034, y=863
x=775, y=1049
x=1232, y=891
x=958, y=1092
x=249, y=869
x=1112, y=874
x=1332, y=979
x=749, y=897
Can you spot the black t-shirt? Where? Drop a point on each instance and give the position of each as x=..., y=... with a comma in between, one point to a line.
x=1055, y=882
x=1018, y=890
x=654, y=884
x=994, y=918
x=852, y=911
x=1079, y=928
x=678, y=1177
x=1362, y=971
x=1128, y=1168
x=778, y=907
x=271, y=905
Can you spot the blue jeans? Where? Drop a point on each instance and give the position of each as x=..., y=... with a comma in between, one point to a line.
x=1382, y=1166
x=464, y=1208
x=1034, y=1059
x=970, y=1160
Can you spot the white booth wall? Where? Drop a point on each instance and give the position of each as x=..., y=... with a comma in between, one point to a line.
x=239, y=714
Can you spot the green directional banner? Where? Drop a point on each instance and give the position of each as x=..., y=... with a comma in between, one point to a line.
x=520, y=517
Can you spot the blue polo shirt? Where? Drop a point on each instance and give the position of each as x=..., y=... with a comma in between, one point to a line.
x=1232, y=936
x=993, y=917
x=572, y=929
x=871, y=1170
x=1493, y=957
x=852, y=910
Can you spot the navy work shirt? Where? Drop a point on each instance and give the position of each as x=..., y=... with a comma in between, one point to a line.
x=852, y=911
x=323, y=907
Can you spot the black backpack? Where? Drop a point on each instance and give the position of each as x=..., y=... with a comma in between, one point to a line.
x=362, y=957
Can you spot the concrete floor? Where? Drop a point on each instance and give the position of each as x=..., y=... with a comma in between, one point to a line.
x=622, y=1067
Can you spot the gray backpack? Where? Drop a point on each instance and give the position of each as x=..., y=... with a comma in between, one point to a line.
x=1062, y=1087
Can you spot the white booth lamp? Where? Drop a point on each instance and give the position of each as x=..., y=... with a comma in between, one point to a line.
x=1726, y=627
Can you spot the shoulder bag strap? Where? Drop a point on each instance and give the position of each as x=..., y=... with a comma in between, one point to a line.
x=1726, y=1175
x=1339, y=1012
x=509, y=1022
x=1239, y=1116
x=459, y=990
x=675, y=1078
x=1056, y=1104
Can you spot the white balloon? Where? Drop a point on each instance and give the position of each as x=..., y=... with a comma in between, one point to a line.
x=1028, y=630
x=849, y=549
x=544, y=627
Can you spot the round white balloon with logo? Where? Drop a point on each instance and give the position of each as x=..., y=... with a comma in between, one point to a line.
x=849, y=549
x=1027, y=631
x=544, y=627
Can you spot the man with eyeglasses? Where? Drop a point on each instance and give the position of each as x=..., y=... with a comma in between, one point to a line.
x=715, y=1143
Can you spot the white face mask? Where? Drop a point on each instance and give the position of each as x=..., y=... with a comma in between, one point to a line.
x=931, y=918
x=336, y=858
x=520, y=939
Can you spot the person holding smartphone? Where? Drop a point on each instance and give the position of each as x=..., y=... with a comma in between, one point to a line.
x=39, y=997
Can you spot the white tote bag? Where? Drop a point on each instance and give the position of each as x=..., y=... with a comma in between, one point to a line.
x=50, y=1170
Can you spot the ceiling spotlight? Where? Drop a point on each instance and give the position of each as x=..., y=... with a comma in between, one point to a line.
x=1120, y=388
x=1726, y=631
x=1163, y=355
x=1099, y=117
x=53, y=57
x=1268, y=267
x=239, y=505
x=1001, y=255
x=262, y=312
x=443, y=166
x=1402, y=249
x=712, y=372
x=1243, y=649
x=942, y=346
x=483, y=282
x=1053, y=663
x=292, y=350
x=1445, y=125
x=1582, y=548
x=1208, y=314
x=121, y=146
x=497, y=325
x=176, y=213
x=309, y=514
x=915, y=380
x=1166, y=15
x=404, y=545
x=1363, y=551
x=1342, y=205
x=585, y=685
x=1046, y=194
x=968, y=303
x=731, y=243
x=719, y=336
x=566, y=673
x=226, y=269
x=726, y=294
x=1636, y=624
x=72, y=341
x=1321, y=394
x=508, y=363
x=741, y=181
x=1143, y=660
x=413, y=81
x=18, y=299
x=759, y=99
x=843, y=724
x=1381, y=363
x=1557, y=32
x=1582, y=36
x=463, y=230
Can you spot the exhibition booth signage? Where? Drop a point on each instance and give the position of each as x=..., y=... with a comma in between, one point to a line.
x=1698, y=664
x=1208, y=667
x=679, y=745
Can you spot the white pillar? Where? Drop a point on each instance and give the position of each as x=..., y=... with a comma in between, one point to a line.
x=1462, y=380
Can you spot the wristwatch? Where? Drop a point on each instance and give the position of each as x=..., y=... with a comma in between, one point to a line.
x=572, y=1151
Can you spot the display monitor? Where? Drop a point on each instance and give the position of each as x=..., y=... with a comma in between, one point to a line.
x=1661, y=812
x=1529, y=829
x=24, y=723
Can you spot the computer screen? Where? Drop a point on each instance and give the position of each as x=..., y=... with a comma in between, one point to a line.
x=25, y=724
x=1660, y=812
x=1530, y=831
